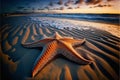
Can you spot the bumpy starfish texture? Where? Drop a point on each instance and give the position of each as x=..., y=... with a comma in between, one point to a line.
x=53, y=46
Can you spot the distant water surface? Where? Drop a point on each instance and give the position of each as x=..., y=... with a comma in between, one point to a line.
x=107, y=18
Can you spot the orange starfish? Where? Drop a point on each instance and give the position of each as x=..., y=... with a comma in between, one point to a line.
x=53, y=46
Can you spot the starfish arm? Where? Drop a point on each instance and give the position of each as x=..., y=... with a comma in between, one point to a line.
x=54, y=45
x=48, y=53
x=70, y=53
x=56, y=35
x=39, y=43
x=74, y=42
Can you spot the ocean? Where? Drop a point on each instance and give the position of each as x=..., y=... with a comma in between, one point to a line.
x=103, y=18
x=106, y=18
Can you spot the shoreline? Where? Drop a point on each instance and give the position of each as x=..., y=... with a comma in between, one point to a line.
x=111, y=28
x=72, y=18
x=94, y=21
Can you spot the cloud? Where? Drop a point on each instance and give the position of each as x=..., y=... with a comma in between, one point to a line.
x=75, y=4
x=46, y=7
x=69, y=2
x=98, y=1
x=61, y=8
x=88, y=1
x=110, y=0
x=79, y=1
x=60, y=2
x=70, y=8
x=105, y=5
x=51, y=3
x=93, y=1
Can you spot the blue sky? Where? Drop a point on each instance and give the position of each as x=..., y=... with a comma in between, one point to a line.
x=12, y=5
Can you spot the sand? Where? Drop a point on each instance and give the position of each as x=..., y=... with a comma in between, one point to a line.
x=7, y=46
x=67, y=74
x=15, y=40
x=34, y=30
x=5, y=36
x=47, y=30
x=32, y=37
x=10, y=66
x=40, y=31
x=2, y=30
x=102, y=46
x=21, y=32
x=113, y=29
x=15, y=31
x=26, y=35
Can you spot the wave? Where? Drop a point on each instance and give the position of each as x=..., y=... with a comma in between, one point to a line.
x=108, y=18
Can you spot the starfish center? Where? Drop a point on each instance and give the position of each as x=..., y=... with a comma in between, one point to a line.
x=56, y=45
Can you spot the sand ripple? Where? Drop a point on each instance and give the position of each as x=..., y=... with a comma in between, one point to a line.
x=7, y=46
x=15, y=40
x=100, y=46
x=26, y=35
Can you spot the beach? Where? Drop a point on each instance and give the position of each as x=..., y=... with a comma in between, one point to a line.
x=102, y=45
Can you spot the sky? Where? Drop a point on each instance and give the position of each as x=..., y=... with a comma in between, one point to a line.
x=61, y=6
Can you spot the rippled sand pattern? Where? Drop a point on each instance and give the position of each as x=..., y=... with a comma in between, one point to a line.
x=100, y=46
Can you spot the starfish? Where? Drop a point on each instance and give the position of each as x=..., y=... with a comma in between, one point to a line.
x=54, y=46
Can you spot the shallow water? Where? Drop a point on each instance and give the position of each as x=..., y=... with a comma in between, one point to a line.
x=106, y=18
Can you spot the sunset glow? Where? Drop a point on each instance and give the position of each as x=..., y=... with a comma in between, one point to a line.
x=85, y=10
x=112, y=8
x=65, y=6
